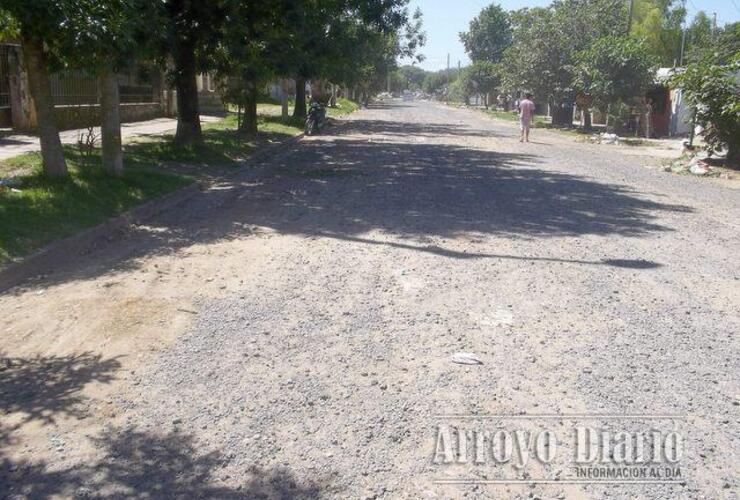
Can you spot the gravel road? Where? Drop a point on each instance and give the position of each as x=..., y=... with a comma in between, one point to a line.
x=328, y=290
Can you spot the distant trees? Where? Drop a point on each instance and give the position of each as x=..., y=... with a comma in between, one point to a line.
x=613, y=70
x=658, y=24
x=546, y=44
x=480, y=78
x=413, y=76
x=488, y=36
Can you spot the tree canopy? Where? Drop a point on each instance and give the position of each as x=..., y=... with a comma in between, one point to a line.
x=489, y=35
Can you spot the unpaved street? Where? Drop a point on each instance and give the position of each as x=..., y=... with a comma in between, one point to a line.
x=289, y=332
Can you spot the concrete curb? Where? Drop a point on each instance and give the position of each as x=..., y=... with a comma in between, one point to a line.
x=59, y=253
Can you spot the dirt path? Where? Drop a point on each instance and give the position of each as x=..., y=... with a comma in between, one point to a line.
x=289, y=333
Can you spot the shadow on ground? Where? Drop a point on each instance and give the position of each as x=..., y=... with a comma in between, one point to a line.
x=43, y=388
x=346, y=185
x=146, y=465
x=132, y=463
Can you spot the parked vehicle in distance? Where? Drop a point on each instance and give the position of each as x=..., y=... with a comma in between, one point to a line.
x=315, y=119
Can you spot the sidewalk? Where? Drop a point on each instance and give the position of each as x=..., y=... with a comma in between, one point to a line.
x=16, y=144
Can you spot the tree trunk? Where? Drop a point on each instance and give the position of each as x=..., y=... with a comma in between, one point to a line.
x=188, y=115
x=110, y=128
x=587, y=125
x=333, y=100
x=733, y=155
x=52, y=154
x=249, y=123
x=284, y=101
x=300, y=98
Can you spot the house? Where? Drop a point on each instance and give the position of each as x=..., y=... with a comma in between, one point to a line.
x=671, y=116
x=143, y=94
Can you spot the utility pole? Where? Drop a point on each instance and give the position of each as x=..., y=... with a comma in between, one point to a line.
x=629, y=16
x=714, y=24
x=447, y=77
x=684, y=29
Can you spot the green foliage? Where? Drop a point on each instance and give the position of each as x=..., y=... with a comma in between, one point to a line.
x=44, y=209
x=658, y=24
x=546, y=41
x=412, y=77
x=435, y=82
x=481, y=78
x=613, y=69
x=698, y=34
x=344, y=107
x=711, y=84
x=488, y=35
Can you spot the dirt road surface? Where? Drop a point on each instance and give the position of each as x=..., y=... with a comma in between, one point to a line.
x=290, y=332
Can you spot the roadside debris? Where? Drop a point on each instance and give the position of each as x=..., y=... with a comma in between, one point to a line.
x=10, y=184
x=608, y=138
x=466, y=358
x=694, y=164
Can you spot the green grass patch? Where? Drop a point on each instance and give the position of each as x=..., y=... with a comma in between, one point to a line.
x=41, y=210
x=222, y=145
x=512, y=116
x=344, y=107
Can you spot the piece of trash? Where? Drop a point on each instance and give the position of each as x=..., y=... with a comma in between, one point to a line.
x=466, y=358
x=10, y=182
x=698, y=167
x=609, y=138
x=186, y=310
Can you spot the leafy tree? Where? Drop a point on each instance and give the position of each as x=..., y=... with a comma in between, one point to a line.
x=711, y=83
x=413, y=76
x=436, y=82
x=243, y=59
x=699, y=34
x=488, y=35
x=480, y=78
x=658, y=24
x=613, y=70
x=546, y=41
x=367, y=45
x=320, y=33
x=184, y=34
x=103, y=44
x=38, y=25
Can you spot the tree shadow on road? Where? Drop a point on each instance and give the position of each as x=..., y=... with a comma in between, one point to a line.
x=42, y=388
x=346, y=185
x=138, y=464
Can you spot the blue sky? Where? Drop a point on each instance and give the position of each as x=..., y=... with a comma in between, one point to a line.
x=444, y=19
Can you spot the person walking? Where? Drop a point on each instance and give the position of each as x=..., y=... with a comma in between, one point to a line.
x=526, y=113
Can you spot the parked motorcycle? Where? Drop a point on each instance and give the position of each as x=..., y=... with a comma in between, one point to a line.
x=316, y=118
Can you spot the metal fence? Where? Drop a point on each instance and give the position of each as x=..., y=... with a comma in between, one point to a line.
x=73, y=88
x=5, y=50
x=77, y=88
